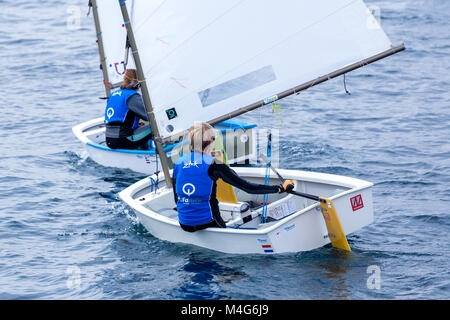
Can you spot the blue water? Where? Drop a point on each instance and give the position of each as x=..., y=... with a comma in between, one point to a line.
x=64, y=233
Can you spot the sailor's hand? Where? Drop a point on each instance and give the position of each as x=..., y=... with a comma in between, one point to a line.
x=287, y=186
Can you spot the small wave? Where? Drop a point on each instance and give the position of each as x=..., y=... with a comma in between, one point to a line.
x=405, y=183
x=432, y=218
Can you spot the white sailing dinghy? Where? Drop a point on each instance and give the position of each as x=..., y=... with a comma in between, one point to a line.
x=232, y=57
x=238, y=134
x=114, y=59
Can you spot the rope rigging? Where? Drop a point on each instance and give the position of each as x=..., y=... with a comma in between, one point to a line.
x=267, y=177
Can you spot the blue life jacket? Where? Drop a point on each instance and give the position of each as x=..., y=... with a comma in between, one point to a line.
x=193, y=188
x=116, y=108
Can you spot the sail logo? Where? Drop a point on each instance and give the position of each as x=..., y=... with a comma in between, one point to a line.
x=171, y=113
x=109, y=113
x=356, y=202
x=123, y=67
x=188, y=189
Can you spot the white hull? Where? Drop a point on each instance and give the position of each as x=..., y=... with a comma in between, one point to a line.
x=302, y=230
x=92, y=135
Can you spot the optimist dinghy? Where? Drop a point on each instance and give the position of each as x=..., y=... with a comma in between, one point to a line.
x=293, y=223
x=212, y=60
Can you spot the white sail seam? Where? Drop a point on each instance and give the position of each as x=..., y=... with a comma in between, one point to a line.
x=150, y=15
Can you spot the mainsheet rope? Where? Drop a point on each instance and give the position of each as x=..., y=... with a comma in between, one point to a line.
x=267, y=178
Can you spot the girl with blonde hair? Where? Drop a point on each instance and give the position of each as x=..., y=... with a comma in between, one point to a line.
x=195, y=178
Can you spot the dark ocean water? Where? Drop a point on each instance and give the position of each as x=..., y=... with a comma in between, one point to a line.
x=64, y=233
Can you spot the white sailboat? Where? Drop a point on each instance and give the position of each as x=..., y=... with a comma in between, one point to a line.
x=232, y=57
x=115, y=57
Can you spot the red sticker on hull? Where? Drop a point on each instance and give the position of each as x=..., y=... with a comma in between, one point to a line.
x=357, y=202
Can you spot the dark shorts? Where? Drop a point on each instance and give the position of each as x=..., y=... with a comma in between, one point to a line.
x=216, y=223
x=124, y=143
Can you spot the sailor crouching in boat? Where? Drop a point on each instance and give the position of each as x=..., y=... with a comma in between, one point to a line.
x=124, y=109
x=195, y=182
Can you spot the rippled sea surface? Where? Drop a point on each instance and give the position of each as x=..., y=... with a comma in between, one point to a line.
x=65, y=234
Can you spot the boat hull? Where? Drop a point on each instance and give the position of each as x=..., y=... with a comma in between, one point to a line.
x=303, y=230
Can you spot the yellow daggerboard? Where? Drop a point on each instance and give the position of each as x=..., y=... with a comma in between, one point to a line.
x=334, y=227
x=225, y=192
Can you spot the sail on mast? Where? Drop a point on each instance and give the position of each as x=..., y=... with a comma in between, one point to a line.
x=206, y=59
x=145, y=93
x=111, y=37
x=309, y=84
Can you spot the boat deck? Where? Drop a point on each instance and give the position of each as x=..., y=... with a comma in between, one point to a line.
x=163, y=203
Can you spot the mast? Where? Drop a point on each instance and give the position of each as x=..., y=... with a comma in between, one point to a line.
x=145, y=93
x=101, y=50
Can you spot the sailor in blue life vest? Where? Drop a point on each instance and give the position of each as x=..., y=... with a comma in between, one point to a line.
x=124, y=109
x=195, y=182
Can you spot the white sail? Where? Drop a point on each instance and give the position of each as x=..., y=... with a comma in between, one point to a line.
x=205, y=58
x=114, y=36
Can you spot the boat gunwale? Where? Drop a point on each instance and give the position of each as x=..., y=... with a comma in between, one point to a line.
x=127, y=195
